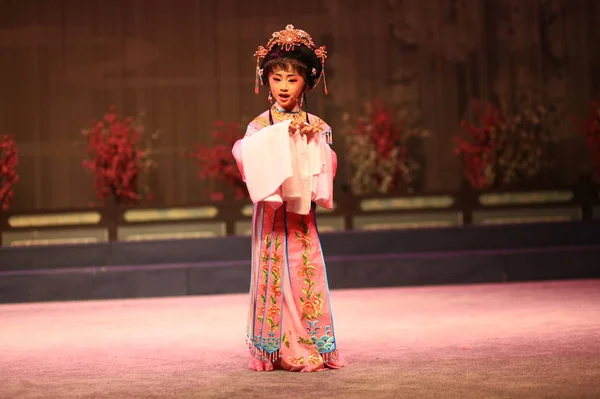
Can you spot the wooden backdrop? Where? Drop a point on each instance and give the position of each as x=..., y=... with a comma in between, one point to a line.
x=188, y=63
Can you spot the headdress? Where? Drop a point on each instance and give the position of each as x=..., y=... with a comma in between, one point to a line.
x=297, y=44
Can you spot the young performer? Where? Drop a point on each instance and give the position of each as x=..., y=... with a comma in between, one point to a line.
x=288, y=166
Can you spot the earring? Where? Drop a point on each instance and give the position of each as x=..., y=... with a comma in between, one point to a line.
x=270, y=98
x=301, y=102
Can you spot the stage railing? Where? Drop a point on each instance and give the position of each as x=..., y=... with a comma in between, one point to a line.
x=215, y=219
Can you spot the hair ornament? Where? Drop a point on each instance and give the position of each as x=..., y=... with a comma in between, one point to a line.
x=287, y=40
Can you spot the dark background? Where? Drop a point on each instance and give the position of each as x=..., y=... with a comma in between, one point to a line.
x=189, y=63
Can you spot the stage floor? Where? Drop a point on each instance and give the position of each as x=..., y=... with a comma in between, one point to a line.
x=526, y=340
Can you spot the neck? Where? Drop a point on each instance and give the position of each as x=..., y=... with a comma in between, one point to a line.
x=293, y=110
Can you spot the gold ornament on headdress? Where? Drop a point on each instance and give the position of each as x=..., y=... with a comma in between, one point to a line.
x=287, y=39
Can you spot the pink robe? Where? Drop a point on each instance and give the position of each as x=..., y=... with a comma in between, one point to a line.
x=290, y=324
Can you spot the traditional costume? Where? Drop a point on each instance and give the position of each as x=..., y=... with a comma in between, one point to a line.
x=290, y=323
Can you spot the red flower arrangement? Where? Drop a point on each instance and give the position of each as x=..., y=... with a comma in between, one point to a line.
x=477, y=154
x=377, y=150
x=9, y=160
x=116, y=158
x=589, y=128
x=502, y=150
x=217, y=161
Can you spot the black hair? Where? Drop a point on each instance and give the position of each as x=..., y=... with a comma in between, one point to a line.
x=301, y=59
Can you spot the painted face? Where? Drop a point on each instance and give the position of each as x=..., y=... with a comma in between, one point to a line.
x=286, y=87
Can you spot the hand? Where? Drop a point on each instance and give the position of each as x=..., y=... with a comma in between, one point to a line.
x=308, y=130
x=294, y=127
x=305, y=129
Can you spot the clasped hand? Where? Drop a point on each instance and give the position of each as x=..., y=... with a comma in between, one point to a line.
x=305, y=129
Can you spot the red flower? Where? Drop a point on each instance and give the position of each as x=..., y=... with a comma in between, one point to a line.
x=589, y=128
x=217, y=162
x=9, y=160
x=115, y=157
x=311, y=309
x=262, y=288
x=275, y=290
x=473, y=152
x=388, y=136
x=273, y=311
x=216, y=196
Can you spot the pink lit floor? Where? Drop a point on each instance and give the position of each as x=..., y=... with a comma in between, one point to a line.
x=528, y=340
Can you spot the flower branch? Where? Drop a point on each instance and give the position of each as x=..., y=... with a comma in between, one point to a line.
x=9, y=160
x=117, y=156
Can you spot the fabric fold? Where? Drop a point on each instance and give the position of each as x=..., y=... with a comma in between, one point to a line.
x=290, y=322
x=278, y=167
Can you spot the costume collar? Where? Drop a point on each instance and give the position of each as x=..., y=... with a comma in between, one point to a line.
x=279, y=108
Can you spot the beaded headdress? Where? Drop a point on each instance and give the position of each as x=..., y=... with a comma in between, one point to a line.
x=287, y=40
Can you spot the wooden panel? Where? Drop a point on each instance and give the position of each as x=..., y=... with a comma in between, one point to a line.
x=189, y=63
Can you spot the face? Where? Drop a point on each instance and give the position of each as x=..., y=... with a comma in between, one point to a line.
x=286, y=86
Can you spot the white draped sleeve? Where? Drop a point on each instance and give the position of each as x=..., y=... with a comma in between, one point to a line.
x=278, y=167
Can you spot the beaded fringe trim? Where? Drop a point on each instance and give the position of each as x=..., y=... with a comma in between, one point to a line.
x=329, y=356
x=266, y=356
x=272, y=357
x=261, y=354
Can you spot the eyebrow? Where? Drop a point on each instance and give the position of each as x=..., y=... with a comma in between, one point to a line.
x=286, y=74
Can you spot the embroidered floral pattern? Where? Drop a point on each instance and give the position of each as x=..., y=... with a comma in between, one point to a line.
x=285, y=340
x=302, y=340
x=296, y=361
x=271, y=261
x=315, y=359
x=305, y=341
x=311, y=303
